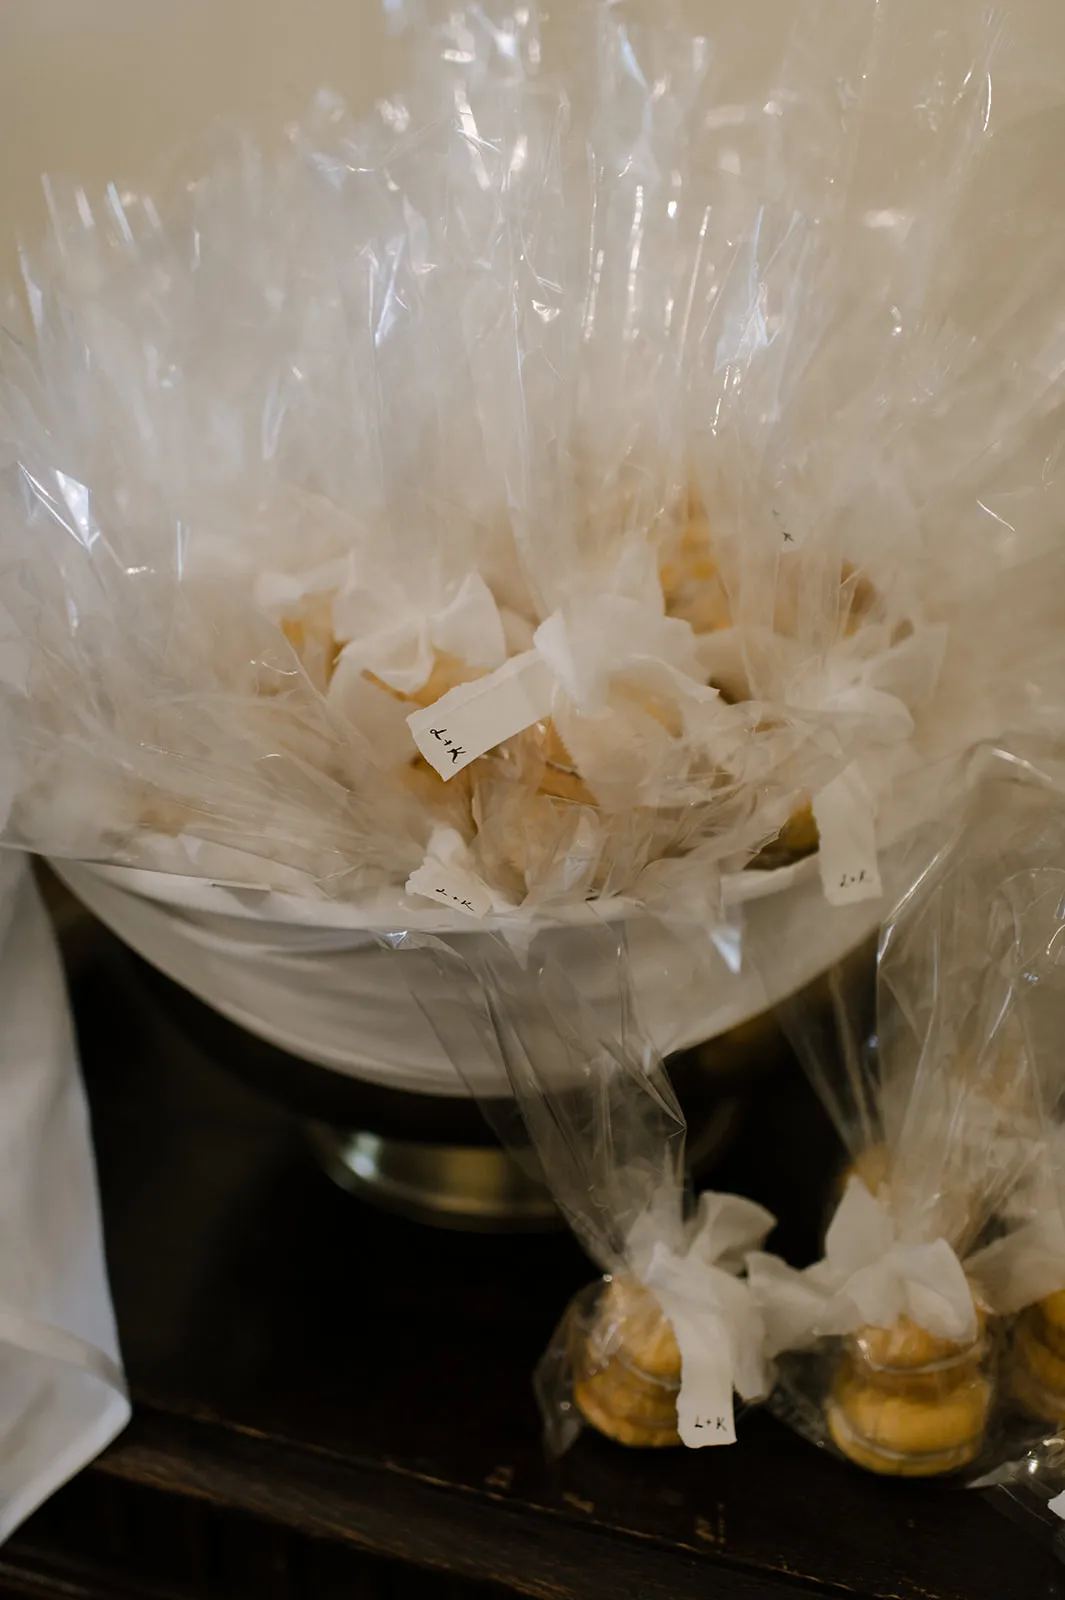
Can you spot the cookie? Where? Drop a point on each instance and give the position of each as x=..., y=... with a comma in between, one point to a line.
x=871, y=1166
x=692, y=586
x=449, y=802
x=1036, y=1360
x=857, y=600
x=638, y=1435
x=908, y=1426
x=630, y=1323
x=559, y=784
x=1034, y=1399
x=632, y=1396
x=893, y=1463
x=858, y=597
x=310, y=633
x=906, y=1348
x=627, y=1367
x=797, y=838
x=447, y=673
x=1052, y=1312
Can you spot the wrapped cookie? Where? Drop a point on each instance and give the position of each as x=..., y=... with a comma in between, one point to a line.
x=653, y=1353
x=934, y=1314
x=883, y=1347
x=1023, y=1272
x=1026, y=1272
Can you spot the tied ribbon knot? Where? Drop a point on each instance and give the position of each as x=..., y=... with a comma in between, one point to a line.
x=869, y=1276
x=716, y=1323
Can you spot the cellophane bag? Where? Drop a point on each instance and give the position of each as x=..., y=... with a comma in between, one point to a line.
x=1029, y=1484
x=1031, y=1492
x=611, y=463
x=922, y=1343
x=652, y=1353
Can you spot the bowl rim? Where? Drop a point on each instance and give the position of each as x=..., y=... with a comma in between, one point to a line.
x=392, y=910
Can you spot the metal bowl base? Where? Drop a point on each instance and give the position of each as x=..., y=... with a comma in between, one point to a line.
x=476, y=1189
x=473, y=1189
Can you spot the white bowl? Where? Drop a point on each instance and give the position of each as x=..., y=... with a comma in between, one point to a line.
x=312, y=978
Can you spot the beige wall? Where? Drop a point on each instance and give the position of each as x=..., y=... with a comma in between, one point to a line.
x=100, y=89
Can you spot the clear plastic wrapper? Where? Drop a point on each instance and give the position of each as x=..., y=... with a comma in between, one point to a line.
x=1031, y=1492
x=1029, y=1485
x=653, y=1354
x=620, y=427
x=925, y=1341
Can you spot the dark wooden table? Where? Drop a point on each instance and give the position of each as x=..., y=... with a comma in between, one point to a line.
x=335, y=1404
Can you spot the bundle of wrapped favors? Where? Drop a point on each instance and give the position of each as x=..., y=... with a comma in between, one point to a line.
x=609, y=465
x=929, y=1338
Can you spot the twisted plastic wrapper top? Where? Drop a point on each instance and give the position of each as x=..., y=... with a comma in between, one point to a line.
x=652, y=1354
x=658, y=371
x=905, y=1345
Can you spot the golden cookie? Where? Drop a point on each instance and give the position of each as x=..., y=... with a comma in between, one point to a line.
x=1053, y=1338
x=925, y=1385
x=871, y=1166
x=1033, y=1396
x=311, y=636
x=690, y=560
x=552, y=746
x=452, y=799
x=691, y=582
x=569, y=786
x=538, y=836
x=890, y=1463
x=629, y=1322
x=618, y=1428
x=799, y=834
x=1033, y=1353
x=447, y=673
x=1052, y=1310
x=903, y=1425
x=632, y=1396
x=906, y=1347
x=560, y=778
x=797, y=838
x=659, y=707
x=859, y=597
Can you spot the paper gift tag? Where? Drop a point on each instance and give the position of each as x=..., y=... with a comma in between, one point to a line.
x=475, y=717
x=451, y=887
x=846, y=825
x=704, y=1404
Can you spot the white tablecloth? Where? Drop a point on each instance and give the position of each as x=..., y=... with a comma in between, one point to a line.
x=62, y=1393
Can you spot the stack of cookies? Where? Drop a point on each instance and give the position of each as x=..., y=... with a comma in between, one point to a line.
x=907, y=1404
x=1037, y=1366
x=626, y=1367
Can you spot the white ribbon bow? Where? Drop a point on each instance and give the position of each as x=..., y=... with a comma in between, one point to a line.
x=578, y=654
x=588, y=644
x=716, y=1322
x=868, y=1276
x=448, y=878
x=1024, y=1267
x=465, y=623
x=1028, y=1263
